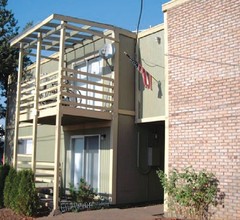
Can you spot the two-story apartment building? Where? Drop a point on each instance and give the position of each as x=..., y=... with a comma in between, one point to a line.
x=83, y=112
x=80, y=114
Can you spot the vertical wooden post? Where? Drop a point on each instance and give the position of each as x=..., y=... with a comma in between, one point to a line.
x=18, y=96
x=114, y=124
x=35, y=110
x=58, y=121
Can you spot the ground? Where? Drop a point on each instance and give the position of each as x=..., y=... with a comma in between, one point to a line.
x=8, y=214
x=138, y=213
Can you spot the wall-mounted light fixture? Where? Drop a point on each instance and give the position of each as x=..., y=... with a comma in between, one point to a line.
x=103, y=137
x=158, y=39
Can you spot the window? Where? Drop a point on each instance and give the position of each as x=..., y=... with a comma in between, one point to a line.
x=85, y=160
x=25, y=146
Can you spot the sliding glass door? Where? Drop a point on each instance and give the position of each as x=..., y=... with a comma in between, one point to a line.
x=85, y=160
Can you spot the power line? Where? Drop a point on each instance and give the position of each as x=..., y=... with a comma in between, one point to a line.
x=137, y=31
x=140, y=16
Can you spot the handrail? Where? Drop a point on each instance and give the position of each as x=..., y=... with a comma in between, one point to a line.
x=54, y=88
x=26, y=83
x=48, y=82
x=86, y=97
x=87, y=82
x=102, y=92
x=92, y=92
x=86, y=106
x=48, y=75
x=88, y=74
x=26, y=97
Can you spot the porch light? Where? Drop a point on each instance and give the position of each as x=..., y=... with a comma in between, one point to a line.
x=103, y=137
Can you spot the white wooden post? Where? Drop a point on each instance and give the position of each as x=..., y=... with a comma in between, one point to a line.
x=18, y=96
x=58, y=122
x=35, y=110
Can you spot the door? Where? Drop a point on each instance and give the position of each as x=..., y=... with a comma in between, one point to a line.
x=94, y=67
x=81, y=67
x=85, y=160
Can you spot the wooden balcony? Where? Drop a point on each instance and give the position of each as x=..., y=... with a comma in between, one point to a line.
x=65, y=96
x=82, y=96
x=75, y=95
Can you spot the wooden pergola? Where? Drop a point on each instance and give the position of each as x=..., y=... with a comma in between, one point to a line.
x=56, y=34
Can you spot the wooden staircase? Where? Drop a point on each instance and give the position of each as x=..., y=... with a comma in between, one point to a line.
x=44, y=181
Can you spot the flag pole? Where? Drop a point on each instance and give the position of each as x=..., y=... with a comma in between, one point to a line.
x=134, y=61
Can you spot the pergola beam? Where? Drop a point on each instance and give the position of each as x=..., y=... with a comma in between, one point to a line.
x=84, y=22
x=42, y=56
x=93, y=32
x=44, y=36
x=31, y=30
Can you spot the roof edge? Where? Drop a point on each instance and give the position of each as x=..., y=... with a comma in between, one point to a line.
x=172, y=3
x=22, y=35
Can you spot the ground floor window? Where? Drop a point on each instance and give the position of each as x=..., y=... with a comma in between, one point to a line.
x=85, y=161
x=25, y=146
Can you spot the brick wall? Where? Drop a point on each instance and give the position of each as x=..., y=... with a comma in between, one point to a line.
x=204, y=93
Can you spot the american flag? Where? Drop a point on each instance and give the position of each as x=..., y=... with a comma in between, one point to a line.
x=146, y=76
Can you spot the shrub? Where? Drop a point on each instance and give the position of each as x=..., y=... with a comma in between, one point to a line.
x=3, y=174
x=20, y=193
x=27, y=196
x=190, y=194
x=84, y=193
x=9, y=188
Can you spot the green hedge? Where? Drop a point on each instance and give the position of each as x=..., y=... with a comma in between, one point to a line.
x=20, y=193
x=4, y=169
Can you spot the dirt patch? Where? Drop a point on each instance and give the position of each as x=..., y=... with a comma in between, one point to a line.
x=8, y=214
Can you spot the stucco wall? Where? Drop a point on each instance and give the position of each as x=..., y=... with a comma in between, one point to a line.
x=137, y=181
x=151, y=103
x=126, y=74
x=204, y=92
x=45, y=141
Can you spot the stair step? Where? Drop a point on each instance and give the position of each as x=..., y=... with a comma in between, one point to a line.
x=45, y=196
x=46, y=180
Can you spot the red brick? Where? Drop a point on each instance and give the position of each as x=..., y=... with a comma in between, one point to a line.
x=204, y=93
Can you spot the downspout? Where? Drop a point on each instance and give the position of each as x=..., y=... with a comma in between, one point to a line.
x=166, y=150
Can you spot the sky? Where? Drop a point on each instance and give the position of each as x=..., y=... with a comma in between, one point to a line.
x=120, y=13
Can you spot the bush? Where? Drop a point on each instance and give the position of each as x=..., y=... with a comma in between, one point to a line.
x=3, y=174
x=9, y=188
x=190, y=194
x=20, y=193
x=84, y=193
x=26, y=199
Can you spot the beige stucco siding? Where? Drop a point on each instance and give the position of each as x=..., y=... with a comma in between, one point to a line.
x=126, y=74
x=150, y=103
x=45, y=141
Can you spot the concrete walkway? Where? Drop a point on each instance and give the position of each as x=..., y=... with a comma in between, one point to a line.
x=139, y=213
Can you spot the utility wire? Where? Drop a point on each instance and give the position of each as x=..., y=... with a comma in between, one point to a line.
x=139, y=18
x=138, y=26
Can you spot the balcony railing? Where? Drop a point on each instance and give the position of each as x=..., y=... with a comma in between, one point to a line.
x=78, y=90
